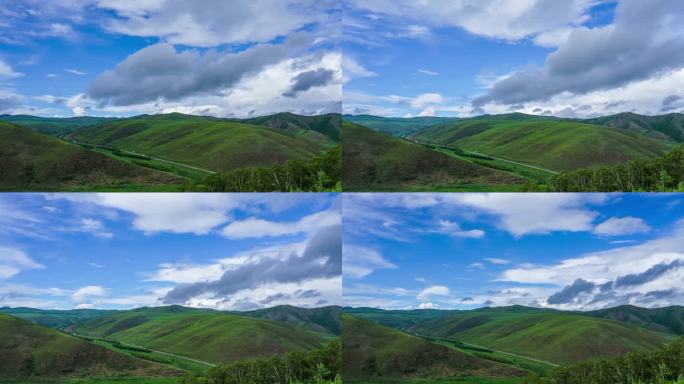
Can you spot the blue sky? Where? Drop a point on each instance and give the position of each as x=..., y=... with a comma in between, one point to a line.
x=463, y=251
x=120, y=58
x=574, y=58
x=131, y=250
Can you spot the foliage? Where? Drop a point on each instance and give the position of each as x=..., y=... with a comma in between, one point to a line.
x=319, y=174
x=662, y=174
x=318, y=366
x=664, y=366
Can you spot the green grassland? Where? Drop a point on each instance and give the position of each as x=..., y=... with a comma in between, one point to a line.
x=374, y=352
x=553, y=144
x=322, y=319
x=33, y=161
x=54, y=318
x=322, y=128
x=215, y=145
x=372, y=161
x=54, y=126
x=397, y=126
x=667, y=127
x=667, y=319
x=29, y=351
x=205, y=335
x=400, y=319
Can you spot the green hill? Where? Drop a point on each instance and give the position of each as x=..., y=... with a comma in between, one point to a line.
x=397, y=126
x=54, y=318
x=670, y=126
x=54, y=126
x=202, y=334
x=400, y=319
x=372, y=352
x=558, y=145
x=34, y=161
x=666, y=319
x=30, y=352
x=323, y=128
x=213, y=144
x=323, y=319
x=554, y=336
x=373, y=161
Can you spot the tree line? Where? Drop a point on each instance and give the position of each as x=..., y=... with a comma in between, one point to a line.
x=663, y=174
x=319, y=366
x=665, y=366
x=319, y=174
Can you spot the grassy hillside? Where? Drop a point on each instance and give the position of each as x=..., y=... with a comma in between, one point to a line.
x=552, y=336
x=33, y=161
x=210, y=143
x=54, y=318
x=550, y=143
x=666, y=319
x=323, y=128
x=30, y=352
x=373, y=161
x=670, y=126
x=206, y=335
x=401, y=319
x=54, y=126
x=397, y=126
x=324, y=319
x=372, y=352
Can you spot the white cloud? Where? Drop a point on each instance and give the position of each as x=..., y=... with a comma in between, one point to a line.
x=360, y=261
x=95, y=227
x=454, y=229
x=428, y=306
x=88, y=292
x=256, y=228
x=497, y=261
x=74, y=71
x=13, y=261
x=7, y=72
x=352, y=69
x=618, y=226
x=435, y=290
x=428, y=72
x=85, y=306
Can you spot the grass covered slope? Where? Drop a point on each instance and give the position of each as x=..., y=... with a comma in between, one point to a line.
x=54, y=126
x=397, y=126
x=54, y=318
x=210, y=143
x=323, y=319
x=665, y=319
x=670, y=126
x=375, y=161
x=33, y=161
x=206, y=335
x=400, y=319
x=553, y=336
x=29, y=351
x=323, y=128
x=374, y=352
x=550, y=143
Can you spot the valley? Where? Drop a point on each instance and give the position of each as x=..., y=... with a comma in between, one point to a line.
x=527, y=152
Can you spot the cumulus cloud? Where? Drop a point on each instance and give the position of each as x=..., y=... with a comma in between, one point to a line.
x=435, y=290
x=618, y=226
x=13, y=261
x=161, y=72
x=427, y=306
x=310, y=79
x=320, y=258
x=88, y=292
x=451, y=228
x=7, y=72
x=254, y=227
x=605, y=57
x=362, y=261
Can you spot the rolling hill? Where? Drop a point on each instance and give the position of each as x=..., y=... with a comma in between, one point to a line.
x=54, y=318
x=400, y=319
x=397, y=126
x=665, y=319
x=34, y=161
x=670, y=126
x=322, y=319
x=373, y=161
x=555, y=144
x=54, y=126
x=202, y=334
x=210, y=143
x=323, y=128
x=372, y=352
x=554, y=336
x=31, y=352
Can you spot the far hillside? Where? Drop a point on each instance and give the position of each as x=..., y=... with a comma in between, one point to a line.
x=323, y=319
x=57, y=126
x=57, y=319
x=397, y=126
x=31, y=161
x=375, y=353
x=372, y=161
x=32, y=353
x=211, y=336
x=669, y=127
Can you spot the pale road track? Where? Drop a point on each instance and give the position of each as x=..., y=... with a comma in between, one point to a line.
x=513, y=354
x=484, y=154
x=153, y=350
x=152, y=157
